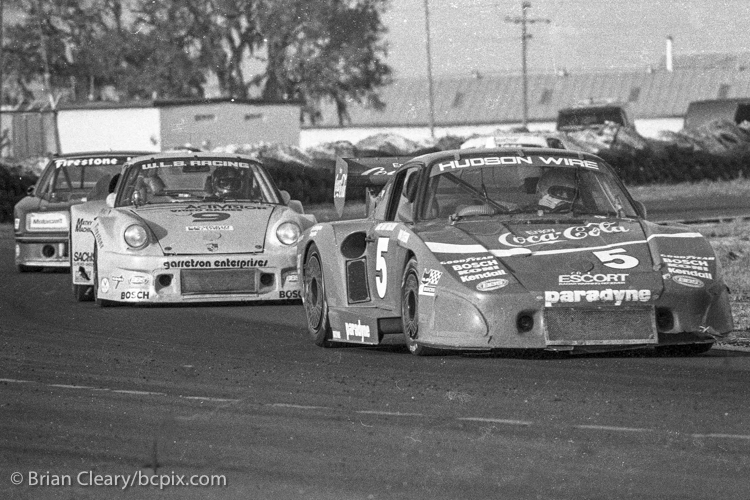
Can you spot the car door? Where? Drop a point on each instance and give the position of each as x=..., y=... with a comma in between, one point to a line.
x=385, y=257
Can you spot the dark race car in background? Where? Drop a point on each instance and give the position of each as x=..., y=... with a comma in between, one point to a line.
x=189, y=227
x=508, y=248
x=41, y=220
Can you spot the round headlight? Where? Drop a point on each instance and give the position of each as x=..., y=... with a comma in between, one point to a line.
x=136, y=236
x=288, y=233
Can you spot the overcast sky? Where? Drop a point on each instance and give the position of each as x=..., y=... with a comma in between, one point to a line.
x=582, y=34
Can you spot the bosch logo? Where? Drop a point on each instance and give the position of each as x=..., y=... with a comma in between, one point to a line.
x=137, y=295
x=291, y=294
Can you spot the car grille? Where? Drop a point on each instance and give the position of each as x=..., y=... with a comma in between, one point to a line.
x=600, y=326
x=218, y=281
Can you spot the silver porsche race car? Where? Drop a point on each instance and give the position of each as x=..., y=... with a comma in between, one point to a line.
x=482, y=249
x=188, y=227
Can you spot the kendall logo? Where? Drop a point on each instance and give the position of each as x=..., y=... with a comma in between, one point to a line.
x=357, y=330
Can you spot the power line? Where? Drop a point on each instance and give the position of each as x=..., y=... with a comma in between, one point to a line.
x=524, y=20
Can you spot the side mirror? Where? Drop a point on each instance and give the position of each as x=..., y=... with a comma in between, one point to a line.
x=30, y=190
x=110, y=200
x=285, y=197
x=641, y=208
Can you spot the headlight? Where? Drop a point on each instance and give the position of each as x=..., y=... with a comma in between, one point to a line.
x=47, y=221
x=288, y=233
x=136, y=236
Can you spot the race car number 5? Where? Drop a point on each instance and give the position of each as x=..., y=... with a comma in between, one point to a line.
x=381, y=282
x=616, y=259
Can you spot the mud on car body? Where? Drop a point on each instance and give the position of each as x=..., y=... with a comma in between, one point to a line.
x=41, y=220
x=189, y=227
x=507, y=248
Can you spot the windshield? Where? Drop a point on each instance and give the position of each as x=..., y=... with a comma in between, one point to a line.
x=176, y=180
x=533, y=191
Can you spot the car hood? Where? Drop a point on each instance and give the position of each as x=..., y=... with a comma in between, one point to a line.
x=553, y=254
x=208, y=227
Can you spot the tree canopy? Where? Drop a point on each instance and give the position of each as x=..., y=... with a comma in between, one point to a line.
x=311, y=51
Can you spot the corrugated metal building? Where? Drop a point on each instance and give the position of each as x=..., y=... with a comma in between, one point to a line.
x=658, y=99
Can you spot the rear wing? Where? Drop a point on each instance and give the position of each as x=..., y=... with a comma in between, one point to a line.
x=363, y=172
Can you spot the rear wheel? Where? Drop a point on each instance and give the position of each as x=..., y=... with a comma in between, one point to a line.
x=316, y=305
x=684, y=349
x=28, y=269
x=410, y=311
x=83, y=293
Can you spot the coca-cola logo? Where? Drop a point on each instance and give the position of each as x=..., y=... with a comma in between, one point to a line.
x=554, y=236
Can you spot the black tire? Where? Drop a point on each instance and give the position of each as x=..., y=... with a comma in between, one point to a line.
x=314, y=293
x=83, y=293
x=28, y=269
x=684, y=349
x=410, y=311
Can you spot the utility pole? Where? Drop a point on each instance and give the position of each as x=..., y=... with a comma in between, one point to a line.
x=431, y=91
x=523, y=21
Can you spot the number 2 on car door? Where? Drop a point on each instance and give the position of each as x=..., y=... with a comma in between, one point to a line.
x=381, y=281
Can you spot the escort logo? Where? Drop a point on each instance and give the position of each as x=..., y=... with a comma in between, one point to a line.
x=134, y=294
x=571, y=233
x=291, y=294
x=688, y=281
x=606, y=295
x=357, y=330
x=489, y=285
x=591, y=279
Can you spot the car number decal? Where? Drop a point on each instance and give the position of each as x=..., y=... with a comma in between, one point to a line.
x=381, y=281
x=616, y=259
x=210, y=216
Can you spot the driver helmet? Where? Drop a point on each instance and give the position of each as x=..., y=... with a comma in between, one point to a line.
x=227, y=180
x=557, y=187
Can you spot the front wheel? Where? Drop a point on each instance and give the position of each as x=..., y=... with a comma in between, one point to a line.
x=83, y=293
x=410, y=311
x=316, y=305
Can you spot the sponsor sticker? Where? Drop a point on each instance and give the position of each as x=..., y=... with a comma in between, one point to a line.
x=291, y=294
x=315, y=229
x=689, y=265
x=428, y=284
x=199, y=210
x=489, y=285
x=117, y=280
x=79, y=257
x=216, y=227
x=105, y=285
x=139, y=280
x=688, y=281
x=357, y=330
x=617, y=297
x=336, y=334
x=386, y=226
x=82, y=162
x=135, y=295
x=591, y=279
x=211, y=264
x=550, y=236
x=403, y=236
x=514, y=160
x=82, y=225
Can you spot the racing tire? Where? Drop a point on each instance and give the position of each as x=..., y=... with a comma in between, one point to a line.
x=83, y=293
x=684, y=349
x=410, y=311
x=316, y=304
x=28, y=269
